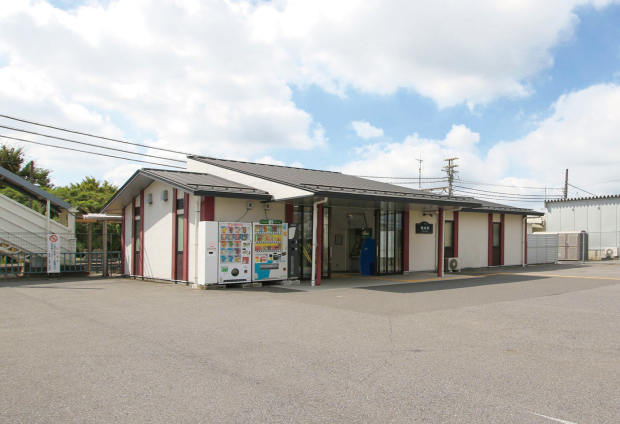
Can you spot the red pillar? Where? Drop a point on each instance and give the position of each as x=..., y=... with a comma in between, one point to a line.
x=175, y=231
x=319, y=245
x=142, y=246
x=406, y=238
x=123, y=226
x=440, y=243
x=289, y=212
x=186, y=209
x=207, y=208
x=502, y=241
x=132, y=270
x=456, y=234
x=490, y=240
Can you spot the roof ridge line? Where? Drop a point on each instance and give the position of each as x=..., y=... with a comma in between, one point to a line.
x=267, y=164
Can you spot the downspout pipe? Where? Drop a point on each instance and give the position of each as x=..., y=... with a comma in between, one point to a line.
x=315, y=231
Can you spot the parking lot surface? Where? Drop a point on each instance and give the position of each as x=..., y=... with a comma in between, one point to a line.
x=511, y=345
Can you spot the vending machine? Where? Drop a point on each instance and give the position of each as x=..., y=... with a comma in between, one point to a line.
x=269, y=255
x=235, y=252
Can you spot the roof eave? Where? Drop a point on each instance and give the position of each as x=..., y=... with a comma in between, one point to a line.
x=396, y=199
x=504, y=211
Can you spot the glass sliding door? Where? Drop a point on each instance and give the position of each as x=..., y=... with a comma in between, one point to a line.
x=302, y=215
x=389, y=256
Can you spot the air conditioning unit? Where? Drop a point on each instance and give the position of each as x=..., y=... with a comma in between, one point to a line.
x=610, y=252
x=452, y=264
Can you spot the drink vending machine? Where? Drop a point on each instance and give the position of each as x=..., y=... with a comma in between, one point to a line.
x=269, y=256
x=225, y=252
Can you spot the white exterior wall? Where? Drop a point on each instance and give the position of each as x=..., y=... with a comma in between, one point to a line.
x=157, y=224
x=422, y=247
x=278, y=191
x=513, y=239
x=474, y=239
x=232, y=210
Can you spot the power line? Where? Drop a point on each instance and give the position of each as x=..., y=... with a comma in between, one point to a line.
x=414, y=182
x=505, y=185
x=92, y=153
x=398, y=178
x=602, y=182
x=92, y=135
x=484, y=197
x=581, y=189
x=89, y=144
x=503, y=196
x=505, y=193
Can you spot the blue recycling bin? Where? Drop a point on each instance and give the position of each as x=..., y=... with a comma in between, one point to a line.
x=367, y=257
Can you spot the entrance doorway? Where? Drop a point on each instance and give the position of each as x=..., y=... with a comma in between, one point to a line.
x=344, y=230
x=389, y=251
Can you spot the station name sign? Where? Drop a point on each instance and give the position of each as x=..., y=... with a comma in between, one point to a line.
x=424, y=228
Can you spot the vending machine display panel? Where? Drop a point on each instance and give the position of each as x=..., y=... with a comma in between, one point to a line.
x=270, y=250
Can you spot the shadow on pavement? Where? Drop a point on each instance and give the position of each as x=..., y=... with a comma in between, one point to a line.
x=453, y=284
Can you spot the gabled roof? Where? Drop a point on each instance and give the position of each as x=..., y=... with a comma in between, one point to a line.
x=336, y=184
x=28, y=189
x=195, y=183
x=491, y=207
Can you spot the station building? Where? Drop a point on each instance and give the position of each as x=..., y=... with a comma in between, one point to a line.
x=413, y=230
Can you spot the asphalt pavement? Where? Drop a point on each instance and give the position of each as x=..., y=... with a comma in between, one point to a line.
x=509, y=345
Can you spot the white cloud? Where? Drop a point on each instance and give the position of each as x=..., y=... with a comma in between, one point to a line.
x=581, y=135
x=365, y=130
x=467, y=51
x=213, y=77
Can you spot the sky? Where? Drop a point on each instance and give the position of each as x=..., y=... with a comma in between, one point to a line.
x=517, y=90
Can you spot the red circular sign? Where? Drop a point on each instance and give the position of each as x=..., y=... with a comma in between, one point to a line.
x=53, y=238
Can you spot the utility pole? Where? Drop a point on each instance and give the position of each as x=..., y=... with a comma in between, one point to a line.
x=566, y=186
x=449, y=168
x=420, y=172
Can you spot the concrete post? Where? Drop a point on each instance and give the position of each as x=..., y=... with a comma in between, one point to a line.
x=104, y=259
x=89, y=246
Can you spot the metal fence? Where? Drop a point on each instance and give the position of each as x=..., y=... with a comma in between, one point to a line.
x=19, y=264
x=542, y=248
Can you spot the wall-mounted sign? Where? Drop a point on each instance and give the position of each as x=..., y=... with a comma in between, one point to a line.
x=424, y=228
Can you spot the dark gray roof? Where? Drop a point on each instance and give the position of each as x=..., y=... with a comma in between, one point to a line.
x=336, y=184
x=195, y=183
x=28, y=189
x=491, y=207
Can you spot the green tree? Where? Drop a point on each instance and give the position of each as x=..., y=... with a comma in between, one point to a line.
x=14, y=160
x=90, y=196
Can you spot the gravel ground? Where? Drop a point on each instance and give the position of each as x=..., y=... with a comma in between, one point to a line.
x=533, y=345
